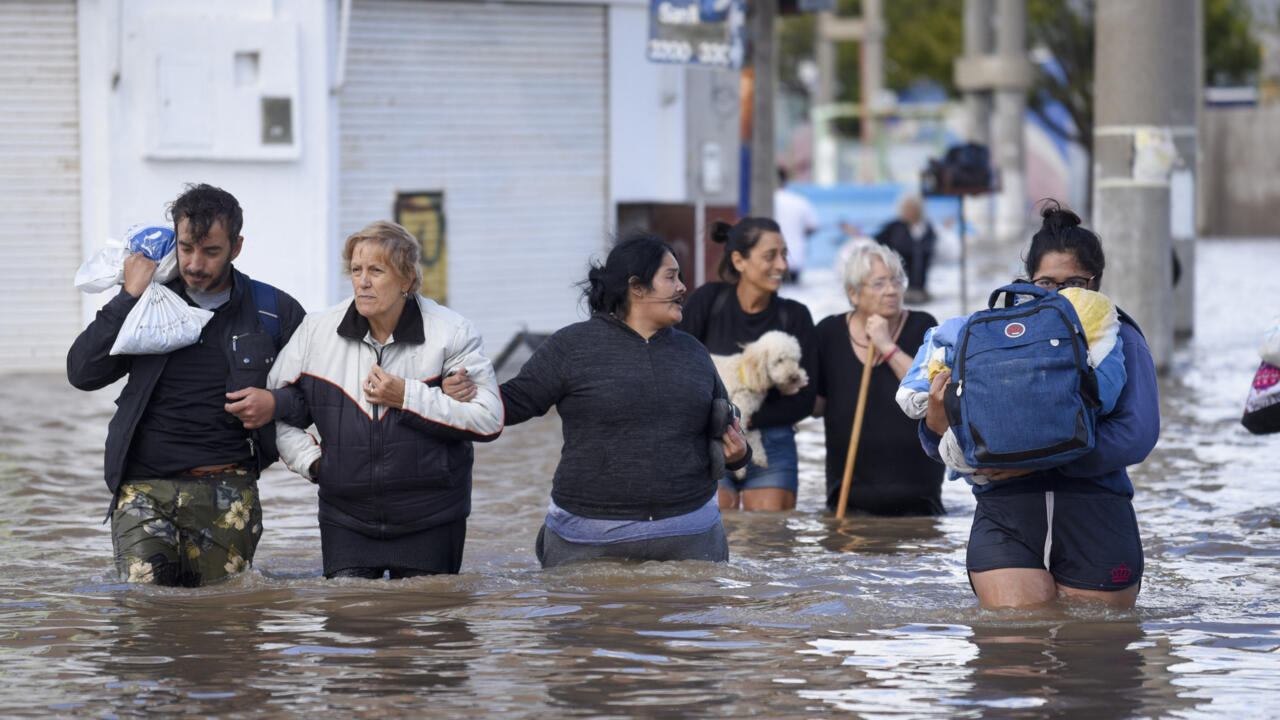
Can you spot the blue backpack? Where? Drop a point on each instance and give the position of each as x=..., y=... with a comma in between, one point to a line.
x=1022, y=393
x=264, y=298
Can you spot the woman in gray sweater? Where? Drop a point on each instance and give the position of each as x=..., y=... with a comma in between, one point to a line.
x=636, y=477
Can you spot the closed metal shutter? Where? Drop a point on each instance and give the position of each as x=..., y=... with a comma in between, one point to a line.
x=501, y=106
x=39, y=183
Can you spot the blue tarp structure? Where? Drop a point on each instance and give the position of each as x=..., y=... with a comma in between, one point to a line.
x=869, y=207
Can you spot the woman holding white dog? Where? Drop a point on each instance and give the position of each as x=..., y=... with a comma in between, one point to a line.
x=727, y=315
x=892, y=475
x=640, y=404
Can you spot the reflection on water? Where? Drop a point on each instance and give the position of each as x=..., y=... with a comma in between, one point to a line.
x=813, y=617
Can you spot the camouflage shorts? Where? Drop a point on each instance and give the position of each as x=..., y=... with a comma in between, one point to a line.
x=191, y=530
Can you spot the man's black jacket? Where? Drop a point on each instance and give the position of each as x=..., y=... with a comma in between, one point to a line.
x=90, y=366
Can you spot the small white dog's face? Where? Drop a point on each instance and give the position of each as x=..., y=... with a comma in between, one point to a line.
x=773, y=360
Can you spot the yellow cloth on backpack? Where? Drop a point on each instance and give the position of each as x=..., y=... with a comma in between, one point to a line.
x=1098, y=319
x=937, y=363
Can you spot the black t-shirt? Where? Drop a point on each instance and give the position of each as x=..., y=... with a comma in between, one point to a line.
x=726, y=328
x=185, y=425
x=892, y=475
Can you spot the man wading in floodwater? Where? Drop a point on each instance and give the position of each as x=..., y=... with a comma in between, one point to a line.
x=182, y=460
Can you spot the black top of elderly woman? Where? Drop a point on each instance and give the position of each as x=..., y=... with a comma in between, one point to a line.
x=888, y=472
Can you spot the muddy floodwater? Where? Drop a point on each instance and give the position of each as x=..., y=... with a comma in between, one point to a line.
x=812, y=617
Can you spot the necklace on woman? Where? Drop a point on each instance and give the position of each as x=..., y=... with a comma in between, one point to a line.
x=899, y=323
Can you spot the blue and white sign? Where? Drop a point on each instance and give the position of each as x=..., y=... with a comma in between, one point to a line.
x=697, y=32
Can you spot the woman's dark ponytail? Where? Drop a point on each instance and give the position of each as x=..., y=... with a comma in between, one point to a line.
x=637, y=254
x=595, y=289
x=1056, y=218
x=720, y=232
x=739, y=238
x=1060, y=231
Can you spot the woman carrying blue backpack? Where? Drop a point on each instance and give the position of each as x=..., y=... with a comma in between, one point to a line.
x=1070, y=530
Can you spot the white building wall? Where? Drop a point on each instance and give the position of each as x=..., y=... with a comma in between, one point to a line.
x=285, y=193
x=291, y=197
x=502, y=108
x=647, y=115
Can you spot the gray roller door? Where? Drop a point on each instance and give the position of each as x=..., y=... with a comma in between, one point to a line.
x=39, y=183
x=502, y=107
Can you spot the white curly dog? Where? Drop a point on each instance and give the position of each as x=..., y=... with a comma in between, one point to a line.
x=771, y=361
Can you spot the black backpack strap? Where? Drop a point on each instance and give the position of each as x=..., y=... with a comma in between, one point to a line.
x=722, y=296
x=1013, y=290
x=268, y=305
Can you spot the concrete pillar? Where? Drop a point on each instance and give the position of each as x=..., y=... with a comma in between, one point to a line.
x=764, y=173
x=977, y=104
x=977, y=42
x=825, y=55
x=1010, y=113
x=831, y=29
x=871, y=84
x=824, y=143
x=1146, y=87
x=1184, y=234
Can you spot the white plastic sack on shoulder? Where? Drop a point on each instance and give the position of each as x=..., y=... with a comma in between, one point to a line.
x=167, y=268
x=160, y=322
x=104, y=270
x=1269, y=348
x=158, y=242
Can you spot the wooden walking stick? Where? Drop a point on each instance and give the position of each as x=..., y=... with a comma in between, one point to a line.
x=858, y=413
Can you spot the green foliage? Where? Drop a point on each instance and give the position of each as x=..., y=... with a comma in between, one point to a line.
x=924, y=39
x=1067, y=32
x=795, y=45
x=1231, y=55
x=1066, y=29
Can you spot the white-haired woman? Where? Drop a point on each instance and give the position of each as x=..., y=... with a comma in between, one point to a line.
x=892, y=475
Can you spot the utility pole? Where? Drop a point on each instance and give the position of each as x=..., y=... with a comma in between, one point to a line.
x=868, y=30
x=870, y=83
x=760, y=23
x=995, y=67
x=1146, y=85
x=977, y=115
x=977, y=42
x=1010, y=113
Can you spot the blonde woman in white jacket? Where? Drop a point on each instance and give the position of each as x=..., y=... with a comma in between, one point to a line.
x=393, y=457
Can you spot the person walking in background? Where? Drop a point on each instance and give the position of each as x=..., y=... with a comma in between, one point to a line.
x=724, y=316
x=393, y=461
x=798, y=220
x=912, y=237
x=190, y=435
x=1069, y=531
x=892, y=475
x=637, y=400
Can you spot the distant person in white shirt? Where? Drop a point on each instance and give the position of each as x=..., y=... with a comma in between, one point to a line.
x=798, y=220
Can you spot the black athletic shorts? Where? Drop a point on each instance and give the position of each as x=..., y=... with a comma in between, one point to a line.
x=1086, y=540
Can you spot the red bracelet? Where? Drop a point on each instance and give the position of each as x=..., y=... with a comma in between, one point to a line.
x=890, y=353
